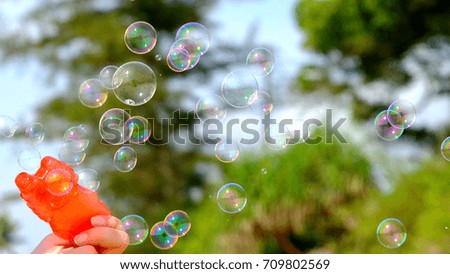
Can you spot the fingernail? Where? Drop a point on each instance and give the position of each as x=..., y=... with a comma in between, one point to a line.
x=97, y=220
x=80, y=238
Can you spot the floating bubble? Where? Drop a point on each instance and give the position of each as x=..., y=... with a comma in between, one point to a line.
x=106, y=76
x=92, y=94
x=263, y=103
x=158, y=57
x=231, y=198
x=401, y=114
x=139, y=128
x=239, y=88
x=177, y=223
x=260, y=61
x=78, y=134
x=88, y=178
x=445, y=148
x=197, y=32
x=71, y=152
x=58, y=182
x=299, y=131
x=8, y=126
x=29, y=159
x=140, y=37
x=112, y=126
x=134, y=83
x=178, y=59
x=264, y=171
x=35, y=133
x=125, y=159
x=226, y=152
x=277, y=136
x=384, y=129
x=136, y=227
x=391, y=233
x=160, y=238
x=210, y=107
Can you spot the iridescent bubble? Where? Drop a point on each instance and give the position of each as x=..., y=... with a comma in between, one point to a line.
x=58, y=182
x=92, y=94
x=263, y=103
x=8, y=126
x=106, y=76
x=136, y=227
x=134, y=83
x=231, y=198
x=197, y=32
x=88, y=178
x=260, y=61
x=239, y=88
x=277, y=136
x=177, y=223
x=29, y=159
x=210, y=107
x=139, y=128
x=401, y=114
x=384, y=129
x=112, y=126
x=140, y=37
x=78, y=134
x=35, y=133
x=391, y=233
x=71, y=152
x=178, y=59
x=160, y=238
x=125, y=159
x=226, y=152
x=445, y=148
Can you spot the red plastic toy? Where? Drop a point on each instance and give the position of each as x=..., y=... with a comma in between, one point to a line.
x=54, y=195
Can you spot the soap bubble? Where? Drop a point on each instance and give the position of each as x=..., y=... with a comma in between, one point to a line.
x=177, y=223
x=210, y=107
x=260, y=61
x=140, y=37
x=401, y=114
x=71, y=152
x=263, y=103
x=160, y=238
x=139, y=129
x=77, y=134
x=226, y=152
x=92, y=94
x=239, y=88
x=136, y=227
x=58, y=182
x=182, y=55
x=106, y=76
x=8, y=126
x=386, y=130
x=125, y=159
x=112, y=126
x=231, y=198
x=277, y=136
x=391, y=233
x=197, y=32
x=35, y=133
x=445, y=148
x=29, y=159
x=88, y=178
x=264, y=171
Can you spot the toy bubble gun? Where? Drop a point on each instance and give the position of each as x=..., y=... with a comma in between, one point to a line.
x=54, y=195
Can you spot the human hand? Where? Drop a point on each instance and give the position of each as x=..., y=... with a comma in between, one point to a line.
x=106, y=237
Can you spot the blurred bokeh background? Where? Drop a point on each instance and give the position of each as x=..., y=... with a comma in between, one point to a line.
x=354, y=57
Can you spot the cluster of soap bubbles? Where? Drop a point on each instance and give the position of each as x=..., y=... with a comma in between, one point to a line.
x=391, y=233
x=163, y=234
x=390, y=124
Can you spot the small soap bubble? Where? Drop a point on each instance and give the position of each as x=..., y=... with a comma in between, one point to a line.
x=134, y=83
x=71, y=152
x=391, y=233
x=106, y=76
x=140, y=37
x=264, y=171
x=277, y=137
x=158, y=57
x=299, y=131
x=125, y=159
x=210, y=107
x=445, y=148
x=160, y=238
x=112, y=126
x=78, y=134
x=92, y=94
x=386, y=130
x=88, y=178
x=401, y=114
x=136, y=227
x=239, y=88
x=263, y=104
x=226, y=152
x=8, y=126
x=197, y=32
x=260, y=61
x=139, y=128
x=231, y=198
x=35, y=133
x=58, y=182
x=177, y=223
x=29, y=159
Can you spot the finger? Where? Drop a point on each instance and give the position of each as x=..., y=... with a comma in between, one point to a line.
x=86, y=249
x=105, y=220
x=106, y=237
x=51, y=244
